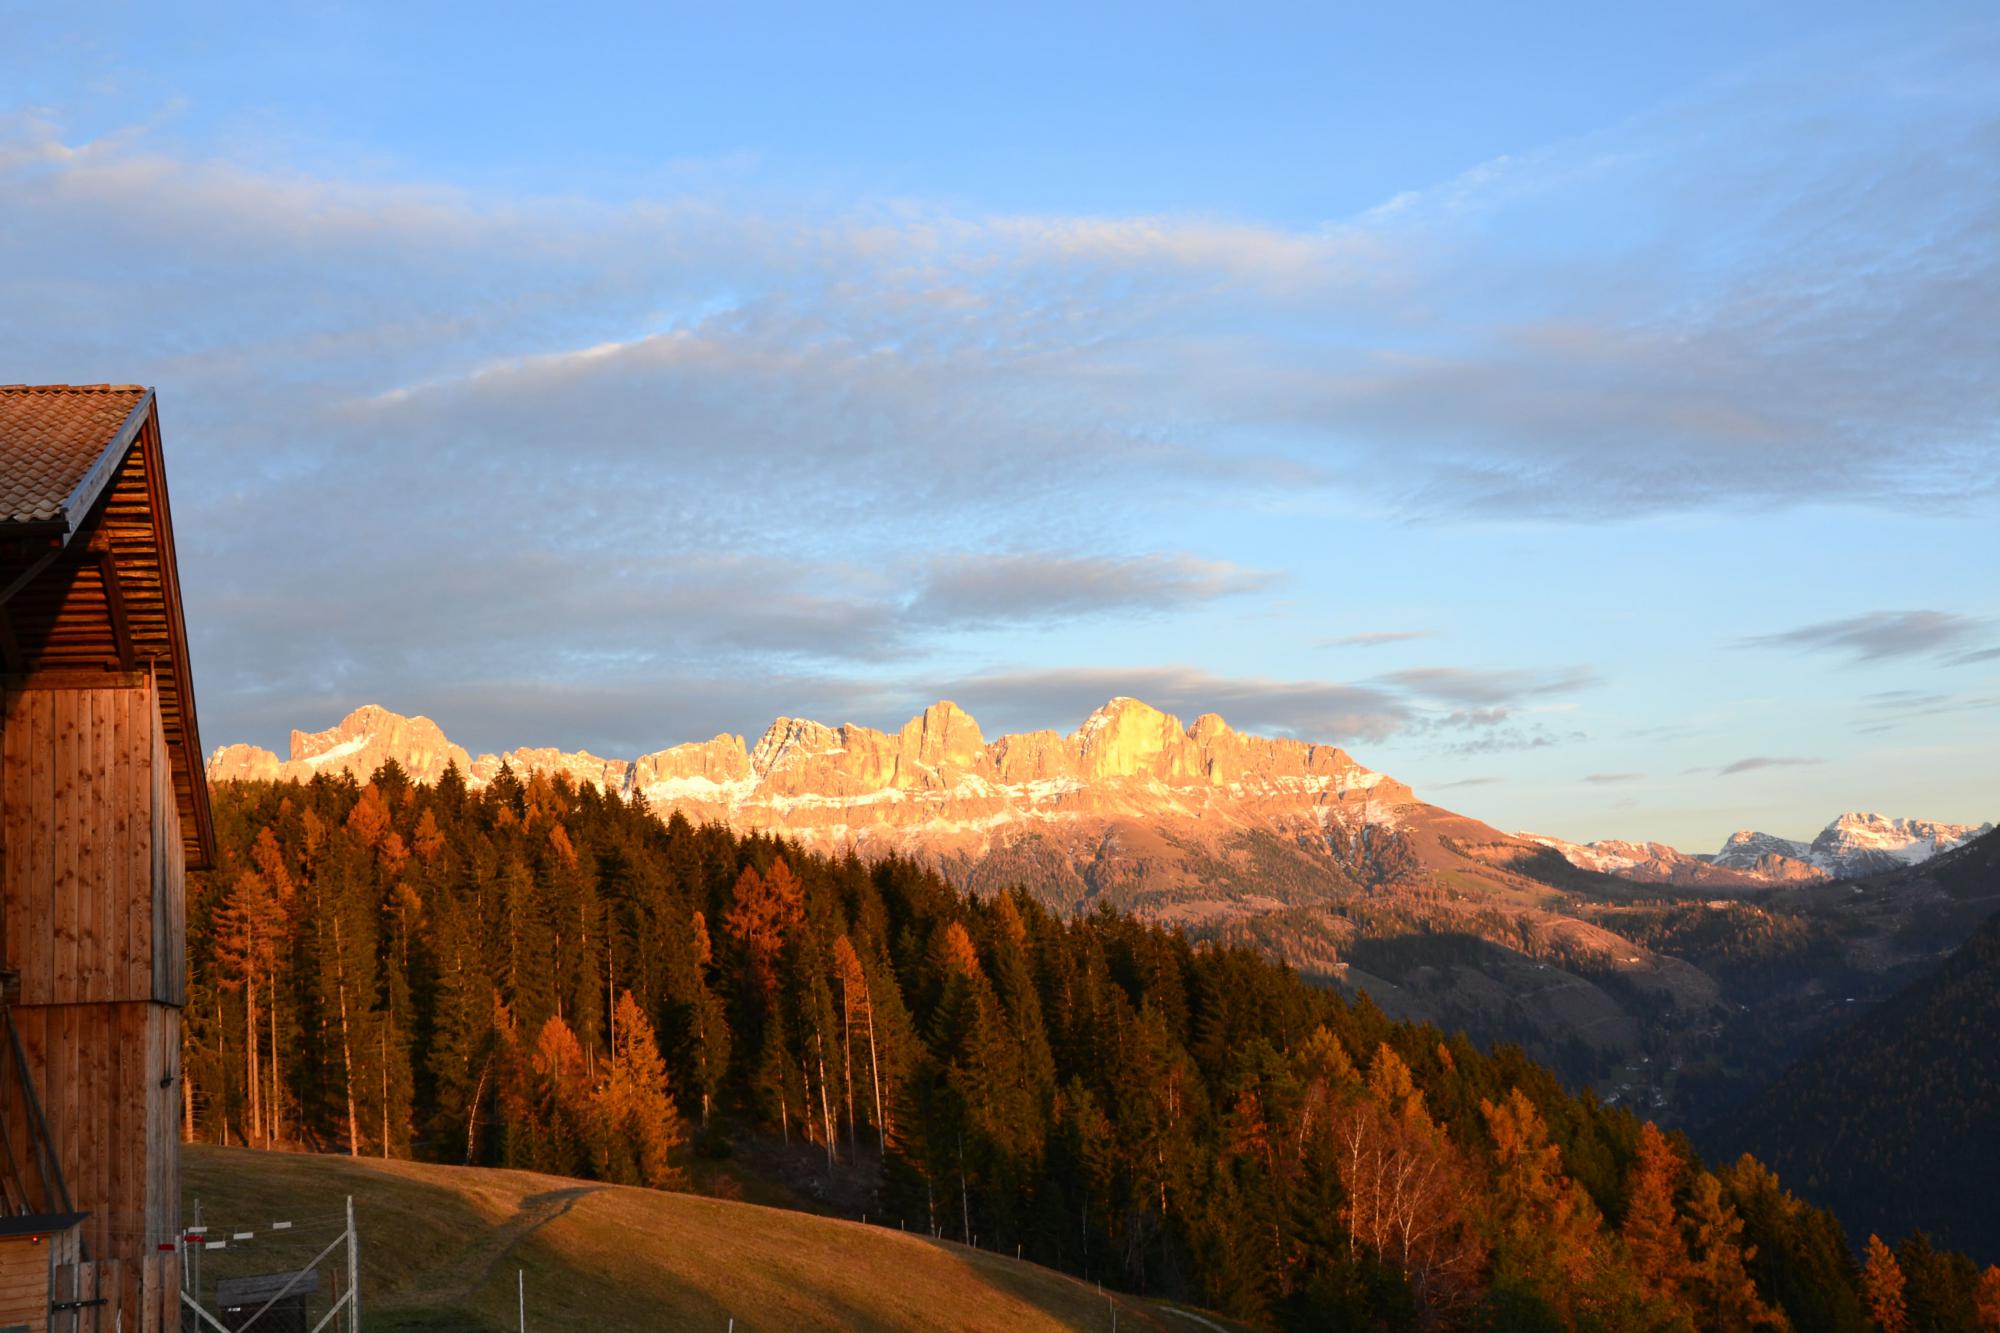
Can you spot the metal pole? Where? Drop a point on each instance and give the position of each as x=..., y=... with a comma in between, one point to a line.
x=353, y=1269
x=521, y=1290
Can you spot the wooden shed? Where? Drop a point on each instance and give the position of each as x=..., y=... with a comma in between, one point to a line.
x=103, y=807
x=38, y=1256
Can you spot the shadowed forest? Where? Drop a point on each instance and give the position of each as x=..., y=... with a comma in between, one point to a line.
x=542, y=976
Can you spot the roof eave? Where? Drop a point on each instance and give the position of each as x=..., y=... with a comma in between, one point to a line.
x=204, y=819
x=91, y=484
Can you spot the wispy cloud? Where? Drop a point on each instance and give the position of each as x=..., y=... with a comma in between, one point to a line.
x=1001, y=588
x=1757, y=762
x=1475, y=688
x=1608, y=779
x=1880, y=635
x=1889, y=710
x=1312, y=710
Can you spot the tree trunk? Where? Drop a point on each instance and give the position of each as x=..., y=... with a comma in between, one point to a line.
x=847, y=1066
x=472, y=1112
x=385, y=1090
x=346, y=1047
x=253, y=1078
x=276, y=1108
x=875, y=1074
x=825, y=1110
x=964, y=1198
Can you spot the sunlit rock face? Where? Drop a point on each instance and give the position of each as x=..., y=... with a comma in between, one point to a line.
x=936, y=787
x=582, y=768
x=359, y=744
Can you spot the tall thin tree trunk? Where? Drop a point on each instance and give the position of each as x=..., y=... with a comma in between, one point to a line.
x=847, y=1066
x=385, y=1090
x=964, y=1199
x=875, y=1074
x=253, y=1078
x=276, y=1109
x=346, y=1047
x=472, y=1113
x=825, y=1110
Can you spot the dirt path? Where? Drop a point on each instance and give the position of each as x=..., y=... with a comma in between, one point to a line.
x=460, y=1277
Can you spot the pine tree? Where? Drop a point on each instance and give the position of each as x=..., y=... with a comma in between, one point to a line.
x=1652, y=1229
x=1546, y=1238
x=560, y=1107
x=1882, y=1288
x=764, y=910
x=1719, y=1286
x=1988, y=1298
x=462, y=1040
x=633, y=1116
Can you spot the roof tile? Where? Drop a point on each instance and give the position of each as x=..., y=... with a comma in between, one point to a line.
x=50, y=436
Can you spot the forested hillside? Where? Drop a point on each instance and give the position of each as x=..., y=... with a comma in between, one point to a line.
x=1896, y=1120
x=540, y=976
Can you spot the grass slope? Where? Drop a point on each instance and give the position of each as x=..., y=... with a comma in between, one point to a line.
x=440, y=1246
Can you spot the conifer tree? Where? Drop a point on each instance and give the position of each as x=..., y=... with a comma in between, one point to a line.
x=1882, y=1288
x=1987, y=1299
x=635, y=1128
x=1546, y=1238
x=1652, y=1229
x=1718, y=1285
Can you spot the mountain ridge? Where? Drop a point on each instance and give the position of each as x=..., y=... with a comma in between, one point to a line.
x=1853, y=844
x=936, y=777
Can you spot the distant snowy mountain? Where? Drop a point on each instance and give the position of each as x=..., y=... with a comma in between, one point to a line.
x=1853, y=845
x=1863, y=844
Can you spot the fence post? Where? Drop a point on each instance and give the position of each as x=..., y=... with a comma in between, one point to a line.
x=353, y=1269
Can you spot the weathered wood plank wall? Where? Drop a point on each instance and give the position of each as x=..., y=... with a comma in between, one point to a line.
x=92, y=896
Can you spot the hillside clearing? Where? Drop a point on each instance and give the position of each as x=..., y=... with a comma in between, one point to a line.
x=440, y=1246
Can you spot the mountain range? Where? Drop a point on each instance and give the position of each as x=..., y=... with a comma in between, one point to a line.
x=1590, y=957
x=1851, y=846
x=939, y=789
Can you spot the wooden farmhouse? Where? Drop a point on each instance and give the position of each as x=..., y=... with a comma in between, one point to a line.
x=103, y=808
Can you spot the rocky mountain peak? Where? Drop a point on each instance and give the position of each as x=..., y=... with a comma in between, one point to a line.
x=791, y=740
x=943, y=737
x=1129, y=738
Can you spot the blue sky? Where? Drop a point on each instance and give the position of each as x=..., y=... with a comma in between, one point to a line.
x=1591, y=417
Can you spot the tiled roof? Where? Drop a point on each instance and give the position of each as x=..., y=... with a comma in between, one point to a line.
x=53, y=438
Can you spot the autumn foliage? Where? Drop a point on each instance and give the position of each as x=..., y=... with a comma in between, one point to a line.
x=539, y=976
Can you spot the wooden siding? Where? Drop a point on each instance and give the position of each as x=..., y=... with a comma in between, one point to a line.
x=34, y=1270
x=92, y=866
x=108, y=1076
x=24, y=1282
x=169, y=876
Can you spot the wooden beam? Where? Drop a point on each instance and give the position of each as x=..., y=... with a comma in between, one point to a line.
x=82, y=679
x=114, y=600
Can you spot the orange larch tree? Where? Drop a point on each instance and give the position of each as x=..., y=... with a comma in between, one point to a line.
x=1882, y=1288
